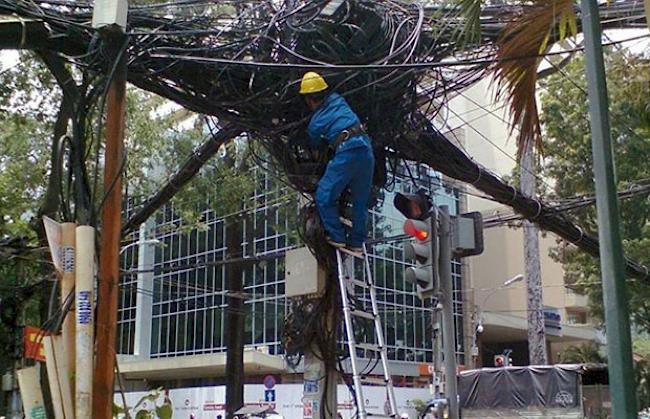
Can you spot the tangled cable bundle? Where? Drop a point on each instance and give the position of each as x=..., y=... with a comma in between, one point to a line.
x=396, y=62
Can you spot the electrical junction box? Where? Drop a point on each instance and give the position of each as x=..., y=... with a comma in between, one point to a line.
x=302, y=275
x=107, y=13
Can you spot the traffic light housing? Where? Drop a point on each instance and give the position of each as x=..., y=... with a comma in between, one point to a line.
x=415, y=206
x=423, y=251
x=500, y=361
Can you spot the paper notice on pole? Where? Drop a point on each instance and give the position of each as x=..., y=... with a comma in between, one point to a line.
x=31, y=392
x=53, y=233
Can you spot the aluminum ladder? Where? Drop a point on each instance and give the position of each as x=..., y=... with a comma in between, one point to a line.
x=347, y=283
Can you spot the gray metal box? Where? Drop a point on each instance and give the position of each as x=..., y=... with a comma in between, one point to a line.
x=107, y=13
x=302, y=275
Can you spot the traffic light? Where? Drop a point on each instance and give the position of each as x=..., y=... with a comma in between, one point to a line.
x=422, y=251
x=500, y=361
x=503, y=360
x=415, y=206
x=421, y=225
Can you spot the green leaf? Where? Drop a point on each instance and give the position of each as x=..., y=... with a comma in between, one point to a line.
x=117, y=409
x=563, y=25
x=471, y=11
x=573, y=23
x=165, y=411
x=144, y=414
x=152, y=396
x=544, y=44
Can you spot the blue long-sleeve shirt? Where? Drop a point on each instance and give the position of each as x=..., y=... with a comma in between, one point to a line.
x=330, y=119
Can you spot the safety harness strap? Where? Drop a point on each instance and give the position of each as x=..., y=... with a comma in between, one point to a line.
x=346, y=134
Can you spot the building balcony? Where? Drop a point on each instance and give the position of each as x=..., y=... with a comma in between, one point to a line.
x=573, y=299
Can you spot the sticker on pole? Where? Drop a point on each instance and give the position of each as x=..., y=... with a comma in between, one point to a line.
x=310, y=386
x=84, y=308
x=307, y=409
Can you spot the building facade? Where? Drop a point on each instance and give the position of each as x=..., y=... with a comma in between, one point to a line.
x=173, y=291
x=497, y=311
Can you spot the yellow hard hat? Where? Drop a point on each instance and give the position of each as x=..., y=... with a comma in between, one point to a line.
x=312, y=82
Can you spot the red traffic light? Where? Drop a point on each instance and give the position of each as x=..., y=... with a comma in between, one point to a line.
x=500, y=361
x=417, y=229
x=416, y=206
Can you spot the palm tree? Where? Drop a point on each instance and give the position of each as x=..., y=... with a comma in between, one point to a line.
x=583, y=354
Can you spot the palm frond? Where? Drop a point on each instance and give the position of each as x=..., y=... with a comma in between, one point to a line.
x=471, y=12
x=518, y=57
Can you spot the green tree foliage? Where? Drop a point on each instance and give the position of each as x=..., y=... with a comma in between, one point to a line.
x=583, y=354
x=568, y=161
x=159, y=138
x=641, y=347
x=28, y=106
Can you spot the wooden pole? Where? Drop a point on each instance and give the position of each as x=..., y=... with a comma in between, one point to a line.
x=103, y=384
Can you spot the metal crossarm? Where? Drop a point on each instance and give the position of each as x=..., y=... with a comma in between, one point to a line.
x=347, y=282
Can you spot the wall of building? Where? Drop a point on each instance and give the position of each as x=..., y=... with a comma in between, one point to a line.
x=481, y=128
x=186, y=296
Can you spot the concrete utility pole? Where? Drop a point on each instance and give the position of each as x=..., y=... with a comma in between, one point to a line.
x=447, y=301
x=109, y=16
x=536, y=330
x=612, y=263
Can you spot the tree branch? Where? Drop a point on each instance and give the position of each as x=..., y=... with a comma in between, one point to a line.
x=190, y=168
x=56, y=65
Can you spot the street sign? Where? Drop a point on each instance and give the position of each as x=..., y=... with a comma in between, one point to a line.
x=269, y=381
x=269, y=395
x=33, y=343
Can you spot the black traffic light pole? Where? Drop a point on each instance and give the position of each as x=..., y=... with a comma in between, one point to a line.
x=447, y=302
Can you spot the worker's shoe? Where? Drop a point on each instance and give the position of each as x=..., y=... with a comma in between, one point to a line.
x=335, y=244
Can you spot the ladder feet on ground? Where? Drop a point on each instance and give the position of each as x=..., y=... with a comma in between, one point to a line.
x=347, y=282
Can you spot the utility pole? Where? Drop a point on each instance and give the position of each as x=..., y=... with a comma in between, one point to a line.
x=447, y=301
x=612, y=264
x=234, y=319
x=536, y=331
x=109, y=16
x=437, y=347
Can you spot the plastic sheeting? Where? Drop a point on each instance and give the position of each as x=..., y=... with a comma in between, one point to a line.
x=520, y=387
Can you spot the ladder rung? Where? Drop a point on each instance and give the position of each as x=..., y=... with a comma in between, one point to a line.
x=358, y=283
x=350, y=252
x=362, y=314
x=368, y=347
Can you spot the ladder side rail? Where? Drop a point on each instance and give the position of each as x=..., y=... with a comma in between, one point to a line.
x=347, y=315
x=380, y=334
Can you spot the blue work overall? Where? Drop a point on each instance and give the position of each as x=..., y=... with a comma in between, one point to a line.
x=352, y=165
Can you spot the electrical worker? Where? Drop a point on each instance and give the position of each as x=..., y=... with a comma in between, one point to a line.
x=334, y=124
